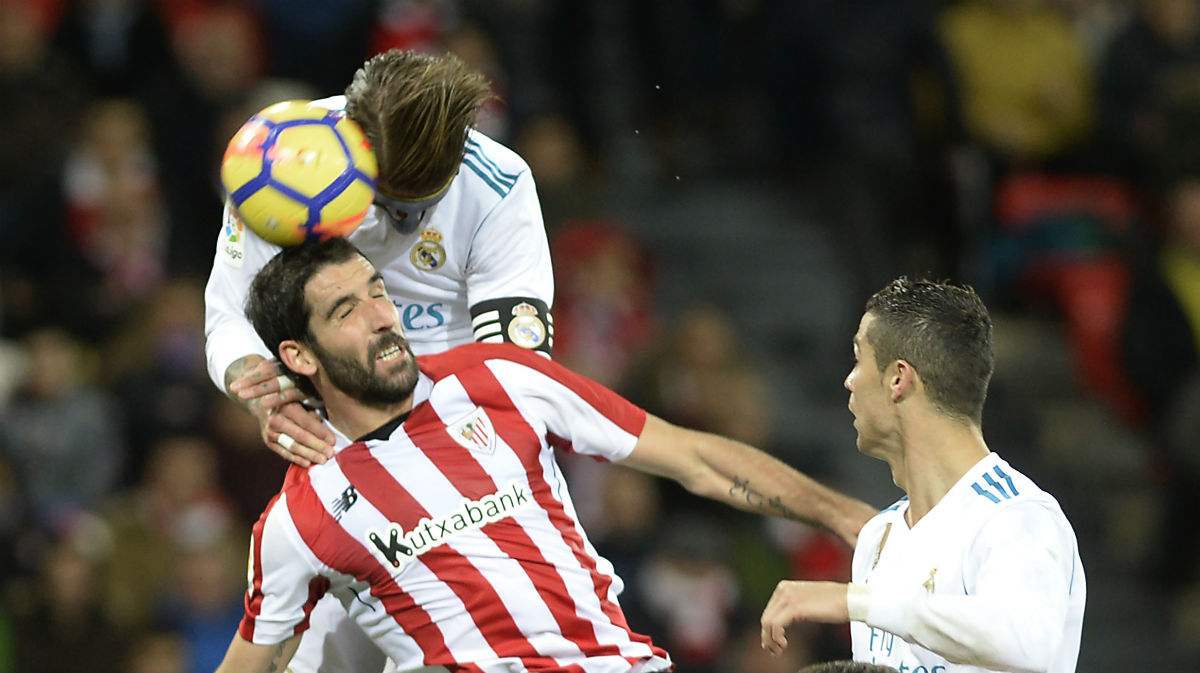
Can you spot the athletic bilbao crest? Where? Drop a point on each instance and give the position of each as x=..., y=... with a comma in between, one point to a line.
x=474, y=432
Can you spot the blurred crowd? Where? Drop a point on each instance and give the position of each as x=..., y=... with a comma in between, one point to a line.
x=1047, y=151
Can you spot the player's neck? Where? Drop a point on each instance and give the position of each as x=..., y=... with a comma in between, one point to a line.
x=934, y=458
x=354, y=419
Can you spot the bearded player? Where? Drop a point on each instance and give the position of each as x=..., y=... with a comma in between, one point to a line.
x=456, y=231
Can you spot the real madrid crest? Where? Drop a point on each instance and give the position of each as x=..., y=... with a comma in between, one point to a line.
x=428, y=253
x=526, y=329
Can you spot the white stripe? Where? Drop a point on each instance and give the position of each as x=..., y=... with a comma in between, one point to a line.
x=486, y=330
x=486, y=317
x=496, y=339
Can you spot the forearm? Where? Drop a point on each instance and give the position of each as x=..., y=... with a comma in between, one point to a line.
x=1014, y=632
x=752, y=480
x=745, y=477
x=237, y=370
x=246, y=657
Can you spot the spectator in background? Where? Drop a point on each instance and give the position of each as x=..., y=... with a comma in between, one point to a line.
x=323, y=44
x=116, y=215
x=43, y=96
x=177, y=497
x=157, y=650
x=604, y=313
x=61, y=626
x=697, y=376
x=219, y=50
x=689, y=587
x=568, y=176
x=1161, y=349
x=61, y=432
x=120, y=45
x=1148, y=93
x=1024, y=79
x=876, y=116
x=204, y=600
x=155, y=366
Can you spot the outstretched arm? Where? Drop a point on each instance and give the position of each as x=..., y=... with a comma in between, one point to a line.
x=744, y=477
x=244, y=656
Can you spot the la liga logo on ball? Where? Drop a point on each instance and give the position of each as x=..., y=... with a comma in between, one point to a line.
x=298, y=172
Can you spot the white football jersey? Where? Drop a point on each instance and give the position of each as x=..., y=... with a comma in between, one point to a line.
x=989, y=579
x=484, y=240
x=451, y=538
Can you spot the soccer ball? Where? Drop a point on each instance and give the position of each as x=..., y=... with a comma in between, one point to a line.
x=299, y=172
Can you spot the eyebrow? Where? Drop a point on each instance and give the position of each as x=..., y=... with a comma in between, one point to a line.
x=349, y=296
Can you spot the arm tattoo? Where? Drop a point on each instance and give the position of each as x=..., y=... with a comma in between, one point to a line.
x=752, y=497
x=756, y=499
x=239, y=367
x=276, y=664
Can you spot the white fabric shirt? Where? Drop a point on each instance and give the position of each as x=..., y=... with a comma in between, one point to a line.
x=454, y=540
x=989, y=579
x=484, y=240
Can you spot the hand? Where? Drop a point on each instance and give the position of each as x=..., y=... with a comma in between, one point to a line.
x=266, y=384
x=801, y=601
x=287, y=427
x=305, y=439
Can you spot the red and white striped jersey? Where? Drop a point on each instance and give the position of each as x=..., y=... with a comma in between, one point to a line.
x=454, y=542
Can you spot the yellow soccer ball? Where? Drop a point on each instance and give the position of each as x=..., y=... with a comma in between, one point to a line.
x=299, y=172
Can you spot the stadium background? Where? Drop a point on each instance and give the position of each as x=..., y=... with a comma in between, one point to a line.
x=724, y=183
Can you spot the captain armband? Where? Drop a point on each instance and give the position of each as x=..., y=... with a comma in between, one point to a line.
x=523, y=321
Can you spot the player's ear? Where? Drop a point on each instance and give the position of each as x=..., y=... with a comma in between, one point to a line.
x=298, y=357
x=903, y=380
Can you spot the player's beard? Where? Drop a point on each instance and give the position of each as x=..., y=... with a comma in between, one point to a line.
x=362, y=382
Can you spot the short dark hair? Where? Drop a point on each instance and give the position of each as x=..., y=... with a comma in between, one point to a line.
x=847, y=666
x=944, y=331
x=276, y=304
x=415, y=110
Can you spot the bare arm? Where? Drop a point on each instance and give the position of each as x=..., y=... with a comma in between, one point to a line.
x=244, y=656
x=744, y=477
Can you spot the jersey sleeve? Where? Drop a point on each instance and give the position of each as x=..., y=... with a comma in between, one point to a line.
x=1011, y=619
x=283, y=587
x=228, y=334
x=510, y=255
x=581, y=415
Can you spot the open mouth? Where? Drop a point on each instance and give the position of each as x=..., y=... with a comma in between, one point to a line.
x=390, y=353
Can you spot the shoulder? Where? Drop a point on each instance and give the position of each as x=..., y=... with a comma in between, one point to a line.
x=993, y=481
x=491, y=166
x=470, y=356
x=890, y=514
x=1004, y=502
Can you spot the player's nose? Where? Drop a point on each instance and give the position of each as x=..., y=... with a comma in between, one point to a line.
x=384, y=317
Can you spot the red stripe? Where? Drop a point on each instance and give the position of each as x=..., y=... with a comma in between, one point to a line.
x=338, y=549
x=487, y=611
x=317, y=587
x=486, y=391
x=617, y=409
x=254, y=595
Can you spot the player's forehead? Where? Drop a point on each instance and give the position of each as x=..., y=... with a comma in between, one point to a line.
x=861, y=345
x=334, y=281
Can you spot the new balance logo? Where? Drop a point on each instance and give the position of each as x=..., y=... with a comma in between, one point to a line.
x=344, y=501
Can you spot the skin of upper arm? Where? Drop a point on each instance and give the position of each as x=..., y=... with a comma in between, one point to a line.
x=244, y=656
x=667, y=450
